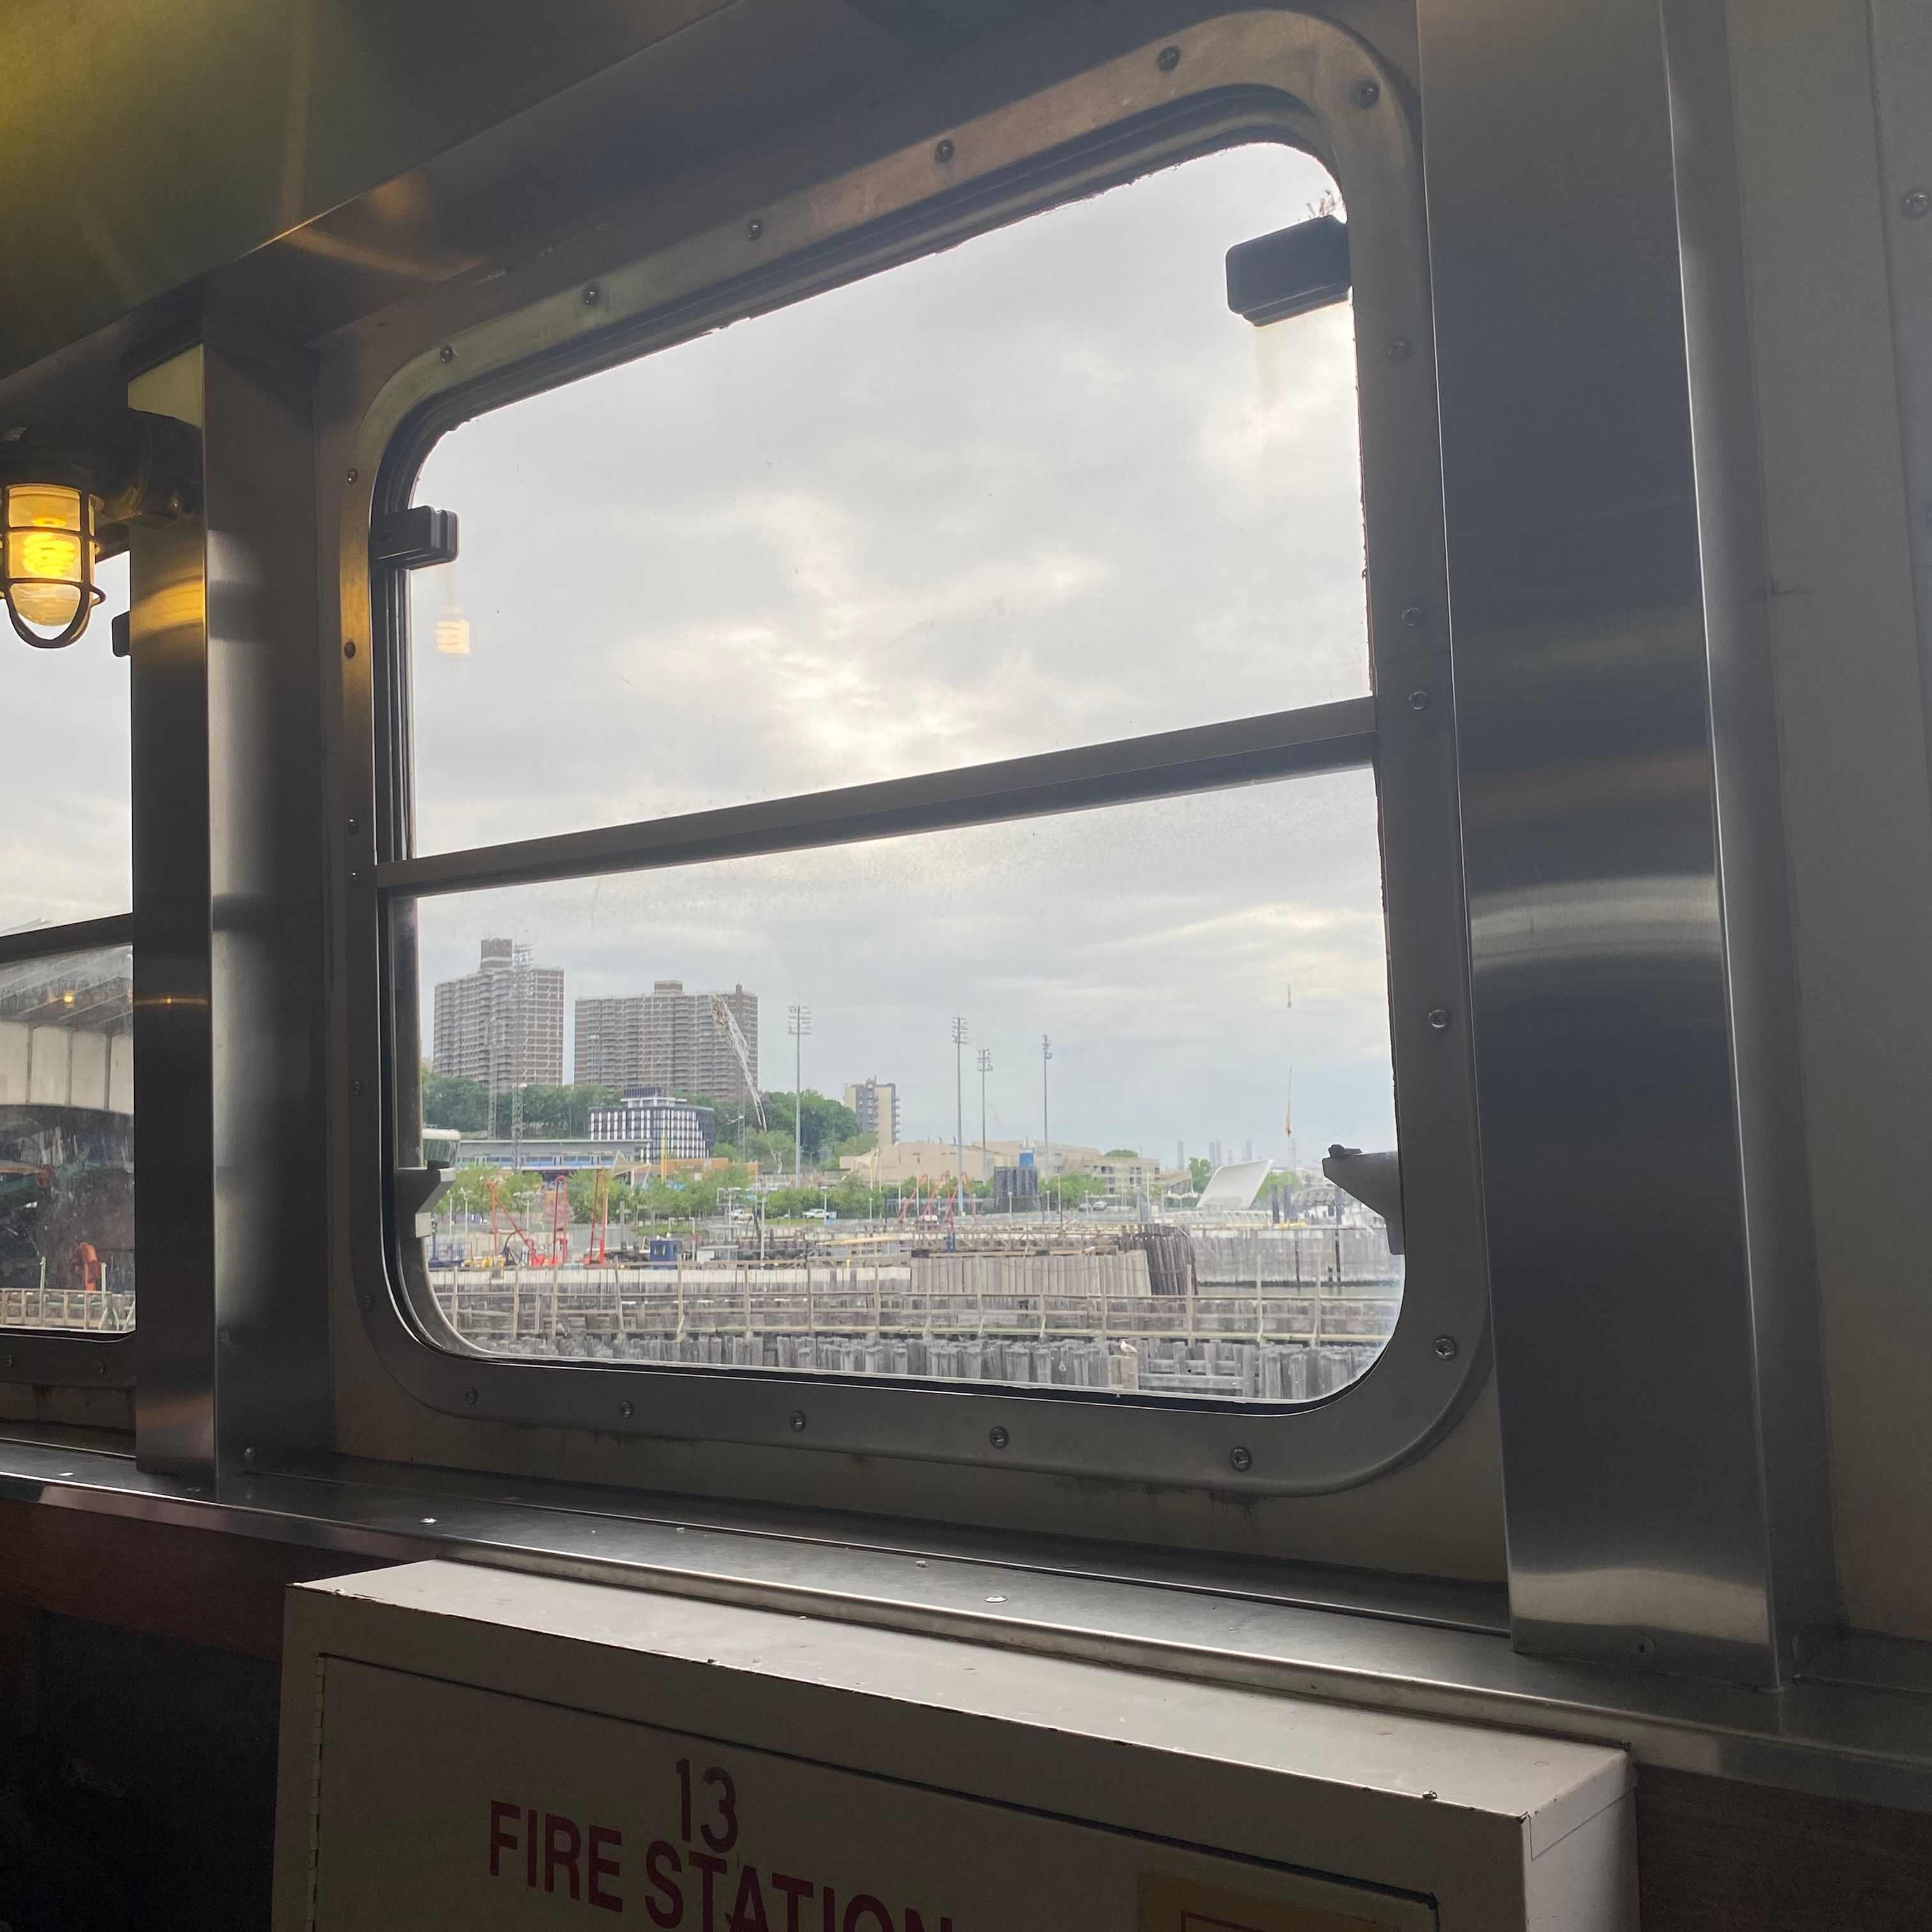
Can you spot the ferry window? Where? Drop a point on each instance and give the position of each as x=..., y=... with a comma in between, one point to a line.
x=66, y=1072
x=1144, y=995
x=1042, y=490
x=1036, y=1091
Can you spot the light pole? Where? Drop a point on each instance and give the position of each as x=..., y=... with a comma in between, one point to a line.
x=798, y=1022
x=1045, y=1121
x=985, y=1059
x=959, y=1109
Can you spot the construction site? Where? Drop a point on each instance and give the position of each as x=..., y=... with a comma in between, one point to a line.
x=1231, y=1306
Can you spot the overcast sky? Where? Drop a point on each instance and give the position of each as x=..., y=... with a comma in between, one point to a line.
x=1040, y=490
x=64, y=815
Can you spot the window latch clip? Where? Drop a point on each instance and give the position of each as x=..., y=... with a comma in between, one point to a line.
x=1374, y=1180
x=418, y=1191
x=413, y=539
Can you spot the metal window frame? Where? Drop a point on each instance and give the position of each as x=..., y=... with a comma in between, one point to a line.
x=1266, y=75
x=57, y=1357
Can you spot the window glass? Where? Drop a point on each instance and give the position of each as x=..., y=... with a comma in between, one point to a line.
x=66, y=824
x=716, y=1114
x=1040, y=490
x=67, y=1142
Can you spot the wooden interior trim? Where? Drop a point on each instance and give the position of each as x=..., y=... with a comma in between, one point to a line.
x=202, y=1586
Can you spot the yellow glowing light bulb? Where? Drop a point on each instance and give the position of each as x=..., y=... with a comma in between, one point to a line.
x=49, y=564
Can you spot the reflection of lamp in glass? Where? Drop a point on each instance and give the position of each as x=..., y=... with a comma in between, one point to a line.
x=50, y=552
x=452, y=628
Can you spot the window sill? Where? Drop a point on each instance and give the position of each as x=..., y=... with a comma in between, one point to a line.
x=1436, y=1648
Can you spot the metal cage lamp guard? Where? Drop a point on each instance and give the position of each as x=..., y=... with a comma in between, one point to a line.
x=48, y=549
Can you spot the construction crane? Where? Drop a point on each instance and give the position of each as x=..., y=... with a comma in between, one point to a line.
x=723, y=1018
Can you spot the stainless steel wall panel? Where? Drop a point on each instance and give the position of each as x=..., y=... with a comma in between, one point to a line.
x=1833, y=107
x=1622, y=1296
x=1753, y=859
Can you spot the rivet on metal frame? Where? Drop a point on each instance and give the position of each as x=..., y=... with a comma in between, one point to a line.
x=1367, y=93
x=998, y=1438
x=1445, y=1347
x=1439, y=1018
x=1915, y=204
x=1240, y=1460
x=1167, y=59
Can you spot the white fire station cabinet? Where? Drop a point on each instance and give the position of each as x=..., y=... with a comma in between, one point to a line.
x=464, y=1747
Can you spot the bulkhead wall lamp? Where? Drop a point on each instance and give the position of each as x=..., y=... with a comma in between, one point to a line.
x=61, y=515
x=50, y=551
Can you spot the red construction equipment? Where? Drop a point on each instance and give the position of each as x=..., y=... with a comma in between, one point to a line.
x=931, y=1204
x=600, y=1218
x=559, y=1251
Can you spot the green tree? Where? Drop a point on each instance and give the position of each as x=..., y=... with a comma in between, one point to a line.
x=469, y=1189
x=1200, y=1172
x=562, y=1110
x=769, y=1150
x=851, y=1200
x=1285, y=1185
x=1123, y=1153
x=1069, y=1190
x=450, y=1101
x=827, y=1124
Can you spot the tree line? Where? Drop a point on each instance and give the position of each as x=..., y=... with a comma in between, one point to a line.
x=829, y=1128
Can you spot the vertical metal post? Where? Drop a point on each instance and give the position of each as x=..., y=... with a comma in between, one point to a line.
x=959, y=1105
x=1615, y=924
x=232, y=1341
x=986, y=1059
x=1045, y=1121
x=798, y=1021
x=174, y=1034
